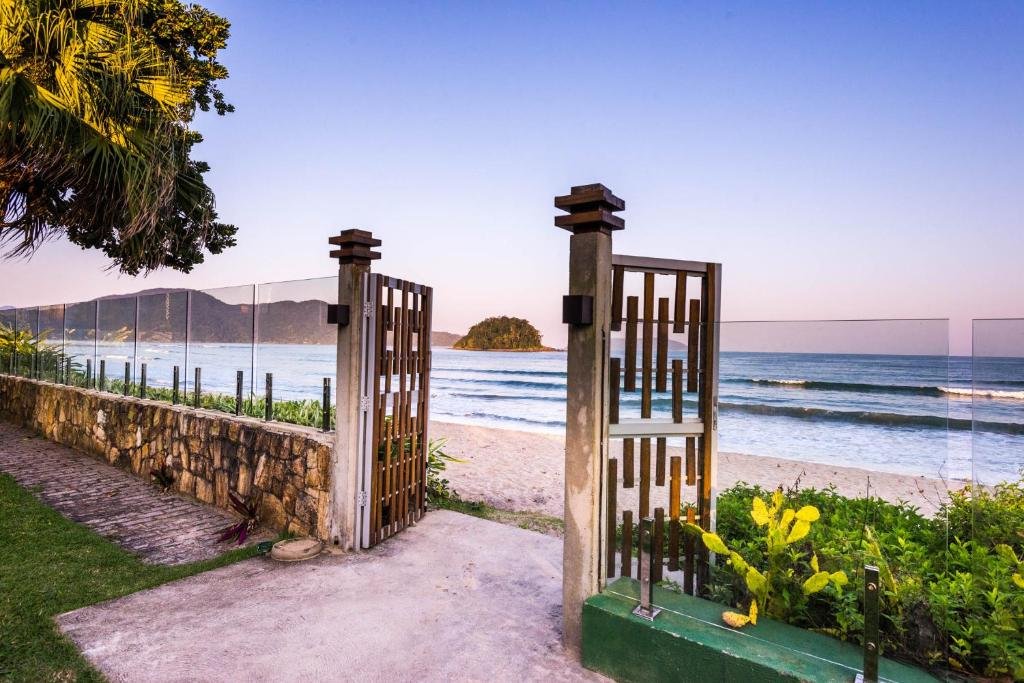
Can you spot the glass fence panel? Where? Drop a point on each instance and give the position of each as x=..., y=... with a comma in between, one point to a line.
x=26, y=335
x=115, y=346
x=163, y=327
x=80, y=341
x=995, y=530
x=8, y=325
x=851, y=427
x=297, y=346
x=51, y=343
x=221, y=327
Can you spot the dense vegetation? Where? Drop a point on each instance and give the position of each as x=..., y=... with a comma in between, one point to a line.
x=502, y=334
x=952, y=586
x=50, y=565
x=96, y=98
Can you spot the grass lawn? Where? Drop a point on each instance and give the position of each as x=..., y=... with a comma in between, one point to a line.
x=532, y=521
x=50, y=565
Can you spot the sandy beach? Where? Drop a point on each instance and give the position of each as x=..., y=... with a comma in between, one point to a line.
x=522, y=471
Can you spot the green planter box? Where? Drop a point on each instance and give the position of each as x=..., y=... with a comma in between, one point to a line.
x=689, y=642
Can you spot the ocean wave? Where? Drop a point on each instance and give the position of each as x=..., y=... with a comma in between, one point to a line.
x=503, y=397
x=518, y=383
x=881, y=419
x=855, y=387
x=507, y=418
x=493, y=371
x=958, y=392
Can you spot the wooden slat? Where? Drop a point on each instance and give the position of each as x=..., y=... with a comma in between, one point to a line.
x=626, y=553
x=709, y=384
x=391, y=309
x=425, y=362
x=691, y=462
x=627, y=463
x=674, y=497
x=693, y=346
x=612, y=517
x=614, y=377
x=632, y=306
x=617, y=285
x=689, y=549
x=658, y=545
x=648, y=348
x=645, y=477
x=659, y=466
x=661, y=365
x=677, y=390
x=679, y=317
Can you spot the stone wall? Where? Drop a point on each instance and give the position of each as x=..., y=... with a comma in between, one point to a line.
x=285, y=468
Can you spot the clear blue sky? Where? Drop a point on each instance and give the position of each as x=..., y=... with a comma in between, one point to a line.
x=842, y=161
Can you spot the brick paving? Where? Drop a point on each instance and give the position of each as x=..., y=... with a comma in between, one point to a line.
x=161, y=528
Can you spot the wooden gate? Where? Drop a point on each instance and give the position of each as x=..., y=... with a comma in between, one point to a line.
x=645, y=329
x=395, y=399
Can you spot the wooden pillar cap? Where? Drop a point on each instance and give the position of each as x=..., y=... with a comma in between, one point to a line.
x=591, y=208
x=355, y=246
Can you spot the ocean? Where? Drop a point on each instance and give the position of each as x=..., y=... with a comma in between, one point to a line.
x=904, y=414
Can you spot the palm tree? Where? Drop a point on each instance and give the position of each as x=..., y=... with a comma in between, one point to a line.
x=93, y=136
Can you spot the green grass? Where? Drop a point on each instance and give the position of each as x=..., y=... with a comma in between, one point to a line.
x=50, y=565
x=532, y=521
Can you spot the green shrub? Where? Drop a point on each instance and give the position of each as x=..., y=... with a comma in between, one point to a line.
x=948, y=595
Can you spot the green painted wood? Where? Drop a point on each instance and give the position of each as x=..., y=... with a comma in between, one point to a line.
x=688, y=642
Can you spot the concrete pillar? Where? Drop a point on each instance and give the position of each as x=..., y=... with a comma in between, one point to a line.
x=591, y=221
x=354, y=253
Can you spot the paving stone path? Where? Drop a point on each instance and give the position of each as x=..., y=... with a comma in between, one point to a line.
x=161, y=528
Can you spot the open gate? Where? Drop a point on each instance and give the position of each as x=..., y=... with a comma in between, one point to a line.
x=394, y=406
x=644, y=364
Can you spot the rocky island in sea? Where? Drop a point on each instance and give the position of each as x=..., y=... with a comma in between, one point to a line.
x=502, y=333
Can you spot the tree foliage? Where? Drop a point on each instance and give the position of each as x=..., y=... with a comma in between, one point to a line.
x=96, y=97
x=500, y=333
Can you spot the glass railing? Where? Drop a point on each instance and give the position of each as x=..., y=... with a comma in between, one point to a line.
x=988, y=543
x=165, y=346
x=296, y=347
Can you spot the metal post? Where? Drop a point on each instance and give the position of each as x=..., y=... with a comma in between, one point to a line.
x=268, y=413
x=646, y=609
x=176, y=382
x=127, y=376
x=591, y=219
x=871, y=642
x=67, y=372
x=142, y=380
x=326, y=422
x=239, y=376
x=197, y=387
x=102, y=386
x=88, y=373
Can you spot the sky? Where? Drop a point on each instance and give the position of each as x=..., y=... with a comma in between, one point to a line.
x=843, y=161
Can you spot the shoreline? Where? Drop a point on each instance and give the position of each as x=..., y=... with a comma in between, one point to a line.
x=523, y=472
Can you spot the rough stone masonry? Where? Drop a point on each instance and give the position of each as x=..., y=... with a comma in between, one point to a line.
x=283, y=467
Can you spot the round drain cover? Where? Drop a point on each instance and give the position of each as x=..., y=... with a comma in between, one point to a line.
x=296, y=549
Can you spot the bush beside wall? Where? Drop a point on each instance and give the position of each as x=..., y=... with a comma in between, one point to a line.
x=286, y=468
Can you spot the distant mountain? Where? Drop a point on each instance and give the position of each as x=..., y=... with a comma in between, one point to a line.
x=163, y=314
x=619, y=344
x=445, y=339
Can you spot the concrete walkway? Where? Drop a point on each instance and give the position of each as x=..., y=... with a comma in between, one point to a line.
x=455, y=598
x=161, y=528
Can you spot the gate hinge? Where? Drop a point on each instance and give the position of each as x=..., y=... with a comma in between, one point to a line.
x=362, y=498
x=714, y=418
x=364, y=403
x=367, y=309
